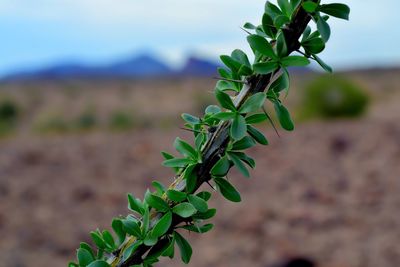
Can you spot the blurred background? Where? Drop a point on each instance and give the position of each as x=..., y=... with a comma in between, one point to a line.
x=92, y=91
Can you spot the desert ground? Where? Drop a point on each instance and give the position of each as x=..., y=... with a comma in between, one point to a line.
x=328, y=191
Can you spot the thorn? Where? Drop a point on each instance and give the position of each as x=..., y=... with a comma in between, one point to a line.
x=249, y=33
x=229, y=80
x=304, y=54
x=271, y=121
x=211, y=185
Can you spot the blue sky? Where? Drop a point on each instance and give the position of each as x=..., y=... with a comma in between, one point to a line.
x=37, y=33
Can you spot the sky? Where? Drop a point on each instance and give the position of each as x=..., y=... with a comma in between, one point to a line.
x=37, y=33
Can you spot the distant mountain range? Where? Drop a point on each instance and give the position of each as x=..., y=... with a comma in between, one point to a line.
x=142, y=66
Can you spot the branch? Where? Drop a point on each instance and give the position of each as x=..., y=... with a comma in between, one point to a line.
x=220, y=137
x=217, y=144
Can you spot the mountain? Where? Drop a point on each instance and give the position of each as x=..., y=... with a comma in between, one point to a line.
x=54, y=72
x=142, y=66
x=199, y=67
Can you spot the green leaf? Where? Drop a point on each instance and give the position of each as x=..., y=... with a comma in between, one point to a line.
x=190, y=176
x=87, y=247
x=168, y=156
x=256, y=118
x=100, y=253
x=205, y=215
x=257, y=135
x=163, y=225
x=280, y=21
x=285, y=7
x=281, y=47
x=280, y=84
x=323, y=64
x=223, y=72
x=272, y=9
x=84, y=257
x=176, y=196
x=150, y=239
x=156, y=251
x=177, y=162
x=160, y=188
x=246, y=159
x=284, y=116
x=295, y=3
x=323, y=28
x=244, y=71
x=186, y=149
x=243, y=144
x=306, y=33
x=227, y=190
x=99, y=263
x=130, y=250
x=156, y=202
x=314, y=45
x=310, y=6
x=184, y=247
x=261, y=45
x=221, y=168
x=225, y=86
x=225, y=100
x=253, y=103
x=314, y=35
x=212, y=109
x=249, y=26
x=170, y=250
x=341, y=11
x=109, y=239
x=239, y=164
x=241, y=57
x=135, y=204
x=294, y=61
x=230, y=63
x=199, y=140
x=190, y=118
x=73, y=264
x=132, y=227
x=238, y=127
x=268, y=26
x=98, y=240
x=224, y=116
x=185, y=210
x=204, y=195
x=198, y=203
x=118, y=228
x=146, y=220
x=265, y=67
x=199, y=229
x=260, y=32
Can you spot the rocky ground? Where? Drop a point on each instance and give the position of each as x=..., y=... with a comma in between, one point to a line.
x=328, y=191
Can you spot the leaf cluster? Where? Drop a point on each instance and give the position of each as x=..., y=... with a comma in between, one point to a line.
x=156, y=221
